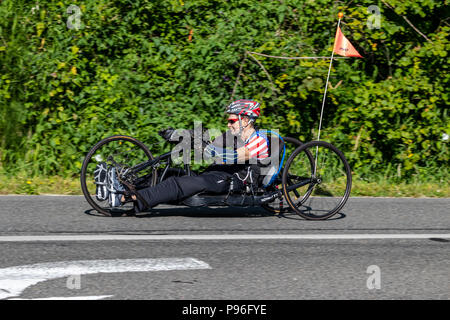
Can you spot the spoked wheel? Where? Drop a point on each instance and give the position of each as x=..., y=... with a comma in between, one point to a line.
x=318, y=190
x=119, y=153
x=280, y=205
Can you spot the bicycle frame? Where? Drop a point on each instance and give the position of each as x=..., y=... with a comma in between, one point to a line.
x=239, y=199
x=262, y=193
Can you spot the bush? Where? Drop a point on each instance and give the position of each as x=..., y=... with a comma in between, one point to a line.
x=135, y=67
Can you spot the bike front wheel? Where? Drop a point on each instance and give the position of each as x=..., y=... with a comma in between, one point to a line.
x=119, y=153
x=319, y=191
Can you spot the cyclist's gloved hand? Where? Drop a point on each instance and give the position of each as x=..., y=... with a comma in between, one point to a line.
x=175, y=135
x=227, y=155
x=211, y=151
x=167, y=133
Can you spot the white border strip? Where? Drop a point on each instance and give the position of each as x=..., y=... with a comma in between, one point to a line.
x=112, y=237
x=68, y=298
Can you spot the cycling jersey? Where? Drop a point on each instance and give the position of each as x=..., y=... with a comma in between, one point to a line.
x=258, y=145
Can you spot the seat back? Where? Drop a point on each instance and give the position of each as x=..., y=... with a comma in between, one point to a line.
x=271, y=166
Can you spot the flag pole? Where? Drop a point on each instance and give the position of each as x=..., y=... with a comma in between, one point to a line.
x=340, y=15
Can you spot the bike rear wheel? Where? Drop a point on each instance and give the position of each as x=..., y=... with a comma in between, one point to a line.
x=320, y=191
x=121, y=153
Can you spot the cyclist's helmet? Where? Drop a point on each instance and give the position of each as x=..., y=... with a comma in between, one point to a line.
x=244, y=107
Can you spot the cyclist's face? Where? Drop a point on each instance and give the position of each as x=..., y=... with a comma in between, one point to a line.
x=233, y=123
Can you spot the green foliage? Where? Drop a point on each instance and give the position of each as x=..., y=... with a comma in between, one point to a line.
x=135, y=67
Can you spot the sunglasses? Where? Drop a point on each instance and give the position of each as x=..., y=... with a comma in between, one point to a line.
x=232, y=121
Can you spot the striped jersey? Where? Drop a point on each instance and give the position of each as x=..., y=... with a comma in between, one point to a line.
x=258, y=145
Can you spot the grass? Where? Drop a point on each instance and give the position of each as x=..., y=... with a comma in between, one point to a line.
x=389, y=189
x=21, y=184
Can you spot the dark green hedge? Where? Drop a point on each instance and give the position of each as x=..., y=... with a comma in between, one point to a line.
x=135, y=67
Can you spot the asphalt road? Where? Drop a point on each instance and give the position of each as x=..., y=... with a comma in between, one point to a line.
x=225, y=268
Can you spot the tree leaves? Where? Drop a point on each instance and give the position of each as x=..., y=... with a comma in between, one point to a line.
x=135, y=67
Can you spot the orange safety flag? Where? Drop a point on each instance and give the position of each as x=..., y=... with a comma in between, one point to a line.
x=343, y=47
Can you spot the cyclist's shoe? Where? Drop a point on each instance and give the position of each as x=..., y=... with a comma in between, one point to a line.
x=115, y=199
x=115, y=188
x=100, y=179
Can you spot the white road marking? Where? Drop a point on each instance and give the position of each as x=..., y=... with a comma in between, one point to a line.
x=14, y=280
x=117, y=237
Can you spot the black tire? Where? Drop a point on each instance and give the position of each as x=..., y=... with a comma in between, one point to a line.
x=329, y=182
x=280, y=205
x=135, y=152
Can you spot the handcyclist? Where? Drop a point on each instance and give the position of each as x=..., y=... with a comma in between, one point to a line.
x=216, y=178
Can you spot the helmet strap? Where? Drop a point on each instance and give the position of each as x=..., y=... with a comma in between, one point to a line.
x=241, y=128
x=240, y=125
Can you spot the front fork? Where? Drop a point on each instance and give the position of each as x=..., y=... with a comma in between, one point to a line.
x=279, y=194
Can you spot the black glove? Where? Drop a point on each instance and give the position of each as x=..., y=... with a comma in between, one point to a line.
x=166, y=133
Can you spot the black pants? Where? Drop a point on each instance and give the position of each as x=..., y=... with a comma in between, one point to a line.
x=179, y=188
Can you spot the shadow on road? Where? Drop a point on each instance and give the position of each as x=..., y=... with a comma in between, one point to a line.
x=207, y=212
x=293, y=216
x=210, y=212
